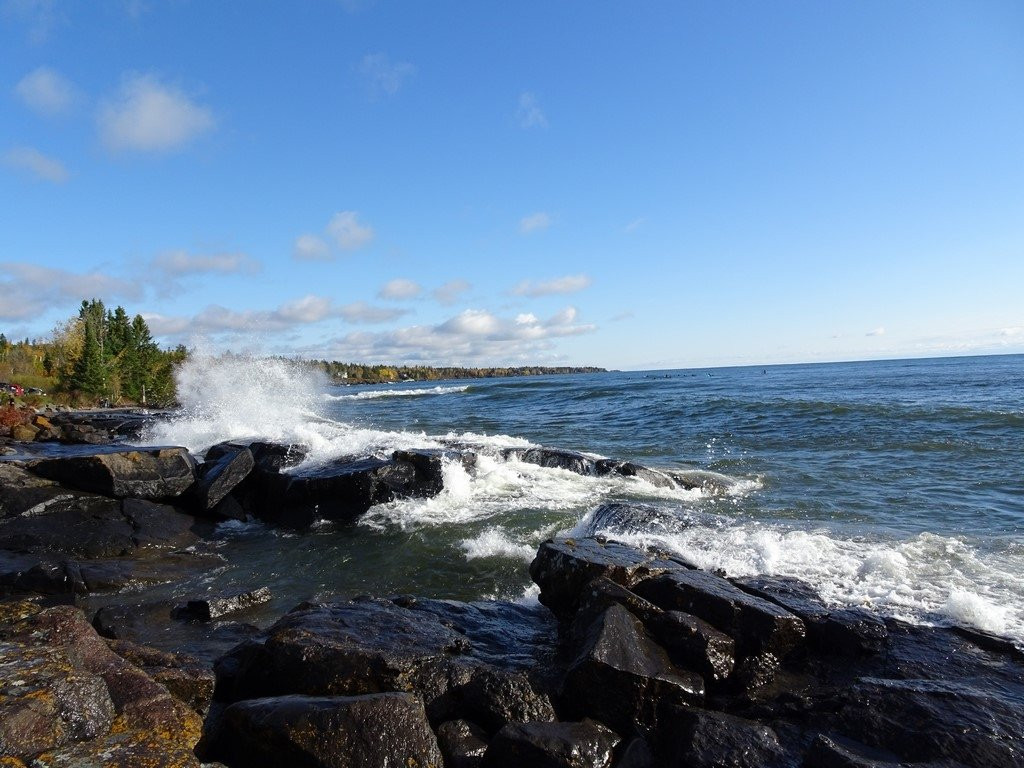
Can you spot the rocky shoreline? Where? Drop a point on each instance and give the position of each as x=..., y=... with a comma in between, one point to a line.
x=634, y=658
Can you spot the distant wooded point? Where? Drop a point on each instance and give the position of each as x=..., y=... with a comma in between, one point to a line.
x=361, y=373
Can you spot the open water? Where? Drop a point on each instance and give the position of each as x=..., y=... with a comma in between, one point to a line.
x=896, y=485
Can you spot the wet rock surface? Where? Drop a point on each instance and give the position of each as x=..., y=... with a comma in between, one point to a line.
x=145, y=473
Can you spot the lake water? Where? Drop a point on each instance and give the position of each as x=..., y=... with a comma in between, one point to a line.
x=897, y=485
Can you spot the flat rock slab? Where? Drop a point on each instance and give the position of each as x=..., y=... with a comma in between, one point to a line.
x=219, y=476
x=150, y=473
x=209, y=608
x=384, y=729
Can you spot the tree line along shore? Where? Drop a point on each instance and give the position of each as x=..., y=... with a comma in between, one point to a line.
x=105, y=356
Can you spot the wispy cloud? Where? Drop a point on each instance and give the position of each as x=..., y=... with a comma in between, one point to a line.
x=450, y=292
x=558, y=285
x=347, y=232
x=399, y=289
x=384, y=76
x=28, y=290
x=46, y=91
x=180, y=263
x=310, y=248
x=36, y=163
x=361, y=312
x=148, y=116
x=879, y=331
x=473, y=337
x=529, y=112
x=635, y=224
x=535, y=222
x=41, y=16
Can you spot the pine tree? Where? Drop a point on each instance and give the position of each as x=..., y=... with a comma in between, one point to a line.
x=89, y=371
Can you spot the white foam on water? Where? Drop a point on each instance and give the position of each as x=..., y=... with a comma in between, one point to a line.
x=495, y=542
x=926, y=578
x=379, y=393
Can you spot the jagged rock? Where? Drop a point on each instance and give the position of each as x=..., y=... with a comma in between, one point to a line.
x=691, y=642
x=933, y=720
x=636, y=754
x=302, y=731
x=629, y=469
x=757, y=625
x=848, y=631
x=219, y=476
x=462, y=743
x=152, y=473
x=494, y=698
x=551, y=745
x=215, y=607
x=70, y=700
x=564, y=567
x=621, y=676
x=185, y=677
x=826, y=752
x=700, y=738
x=22, y=493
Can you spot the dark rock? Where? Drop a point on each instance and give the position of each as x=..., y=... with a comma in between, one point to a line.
x=826, y=752
x=554, y=458
x=691, y=642
x=621, y=676
x=22, y=493
x=564, y=567
x=429, y=467
x=340, y=491
x=636, y=754
x=629, y=469
x=88, y=526
x=934, y=720
x=229, y=508
x=218, y=477
x=215, y=607
x=699, y=738
x=494, y=698
x=344, y=731
x=272, y=457
x=186, y=677
x=151, y=473
x=351, y=648
x=844, y=632
x=159, y=525
x=462, y=743
x=712, y=482
x=757, y=625
x=69, y=700
x=551, y=745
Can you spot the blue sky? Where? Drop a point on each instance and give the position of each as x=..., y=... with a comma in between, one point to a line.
x=632, y=185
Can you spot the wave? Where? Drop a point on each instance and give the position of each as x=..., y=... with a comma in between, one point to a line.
x=379, y=393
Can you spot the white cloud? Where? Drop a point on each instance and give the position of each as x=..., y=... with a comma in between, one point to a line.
x=534, y=223
x=180, y=263
x=384, y=75
x=310, y=248
x=148, y=116
x=880, y=331
x=450, y=292
x=559, y=285
x=635, y=224
x=473, y=337
x=28, y=290
x=46, y=91
x=35, y=162
x=399, y=289
x=347, y=232
x=529, y=112
x=361, y=312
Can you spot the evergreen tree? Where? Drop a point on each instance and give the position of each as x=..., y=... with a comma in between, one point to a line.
x=89, y=372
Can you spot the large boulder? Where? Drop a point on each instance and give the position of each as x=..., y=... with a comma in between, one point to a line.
x=700, y=738
x=554, y=458
x=368, y=731
x=757, y=625
x=145, y=473
x=218, y=477
x=564, y=567
x=621, y=677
